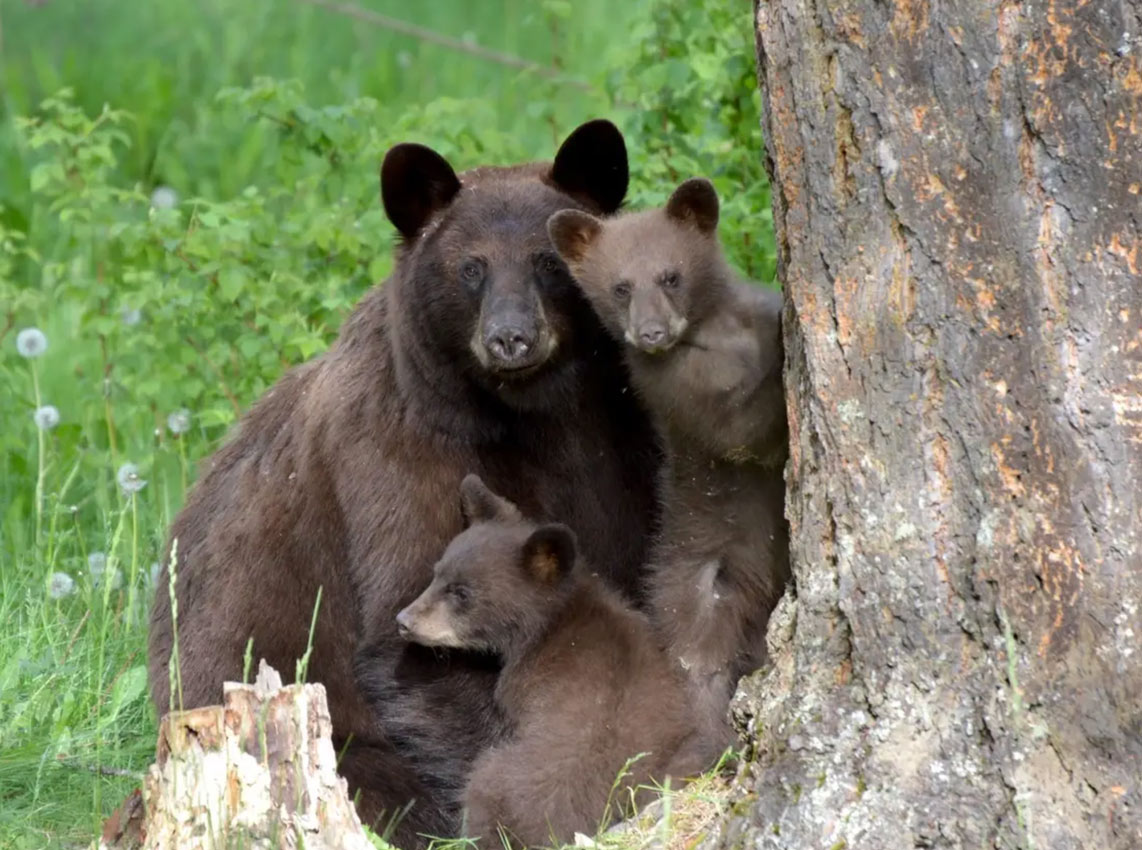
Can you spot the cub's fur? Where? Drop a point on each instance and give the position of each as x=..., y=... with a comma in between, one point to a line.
x=584, y=687
x=705, y=355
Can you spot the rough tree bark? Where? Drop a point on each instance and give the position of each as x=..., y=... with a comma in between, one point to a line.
x=957, y=190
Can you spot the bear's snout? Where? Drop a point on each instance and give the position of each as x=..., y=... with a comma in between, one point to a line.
x=513, y=337
x=404, y=623
x=509, y=343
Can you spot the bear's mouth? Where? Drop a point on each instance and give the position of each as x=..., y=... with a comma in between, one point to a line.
x=518, y=371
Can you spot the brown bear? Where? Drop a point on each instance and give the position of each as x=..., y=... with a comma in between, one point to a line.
x=585, y=687
x=705, y=356
x=478, y=353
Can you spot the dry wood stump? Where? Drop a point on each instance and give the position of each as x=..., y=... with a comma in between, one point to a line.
x=258, y=771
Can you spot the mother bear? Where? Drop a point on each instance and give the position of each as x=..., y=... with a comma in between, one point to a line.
x=477, y=355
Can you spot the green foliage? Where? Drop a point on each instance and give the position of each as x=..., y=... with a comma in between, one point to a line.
x=693, y=109
x=184, y=246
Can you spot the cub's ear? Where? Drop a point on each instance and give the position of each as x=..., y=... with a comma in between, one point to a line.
x=549, y=554
x=479, y=504
x=572, y=233
x=696, y=202
x=592, y=165
x=416, y=182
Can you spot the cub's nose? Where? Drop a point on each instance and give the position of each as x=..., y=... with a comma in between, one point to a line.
x=652, y=336
x=404, y=624
x=510, y=344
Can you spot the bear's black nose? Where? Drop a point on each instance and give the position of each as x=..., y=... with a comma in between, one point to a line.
x=403, y=627
x=652, y=335
x=509, y=344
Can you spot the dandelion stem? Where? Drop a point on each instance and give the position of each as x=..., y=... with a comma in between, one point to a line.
x=134, y=572
x=40, y=467
x=52, y=550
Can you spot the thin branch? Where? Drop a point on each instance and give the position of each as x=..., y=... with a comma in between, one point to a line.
x=433, y=37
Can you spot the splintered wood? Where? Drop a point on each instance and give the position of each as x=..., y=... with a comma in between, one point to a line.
x=258, y=771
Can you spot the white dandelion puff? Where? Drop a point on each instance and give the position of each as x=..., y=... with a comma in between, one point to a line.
x=404, y=59
x=156, y=570
x=96, y=564
x=31, y=342
x=46, y=417
x=129, y=480
x=114, y=578
x=60, y=585
x=179, y=421
x=132, y=316
x=164, y=197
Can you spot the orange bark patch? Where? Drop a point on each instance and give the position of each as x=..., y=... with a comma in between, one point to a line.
x=909, y=19
x=1127, y=252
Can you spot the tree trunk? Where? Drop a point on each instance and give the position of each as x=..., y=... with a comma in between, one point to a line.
x=257, y=772
x=958, y=196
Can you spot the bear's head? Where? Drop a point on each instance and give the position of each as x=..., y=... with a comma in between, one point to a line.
x=649, y=275
x=498, y=582
x=479, y=288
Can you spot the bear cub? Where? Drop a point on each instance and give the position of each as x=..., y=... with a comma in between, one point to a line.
x=584, y=687
x=705, y=356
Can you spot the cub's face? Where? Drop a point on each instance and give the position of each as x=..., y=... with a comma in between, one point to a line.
x=479, y=280
x=644, y=273
x=497, y=582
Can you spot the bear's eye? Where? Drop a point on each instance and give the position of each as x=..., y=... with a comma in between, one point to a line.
x=548, y=265
x=622, y=290
x=670, y=280
x=458, y=592
x=472, y=272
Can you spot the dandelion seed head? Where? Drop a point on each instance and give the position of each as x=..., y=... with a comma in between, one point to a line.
x=129, y=480
x=31, y=342
x=404, y=59
x=156, y=570
x=96, y=564
x=132, y=316
x=164, y=198
x=179, y=421
x=46, y=417
x=114, y=578
x=60, y=585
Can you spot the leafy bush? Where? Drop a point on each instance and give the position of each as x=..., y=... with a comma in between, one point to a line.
x=167, y=311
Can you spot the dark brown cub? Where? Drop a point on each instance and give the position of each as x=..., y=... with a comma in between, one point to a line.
x=584, y=688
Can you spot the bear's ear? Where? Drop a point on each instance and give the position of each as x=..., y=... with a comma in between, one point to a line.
x=695, y=202
x=480, y=504
x=549, y=554
x=571, y=233
x=592, y=165
x=416, y=182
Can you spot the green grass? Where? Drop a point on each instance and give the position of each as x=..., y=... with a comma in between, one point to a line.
x=277, y=232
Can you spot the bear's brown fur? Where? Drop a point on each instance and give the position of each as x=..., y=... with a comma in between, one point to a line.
x=479, y=353
x=585, y=685
x=705, y=355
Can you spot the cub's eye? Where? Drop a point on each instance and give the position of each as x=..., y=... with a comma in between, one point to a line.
x=472, y=272
x=622, y=290
x=548, y=265
x=458, y=592
x=670, y=280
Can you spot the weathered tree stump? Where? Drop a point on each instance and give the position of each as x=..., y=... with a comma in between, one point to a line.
x=258, y=771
